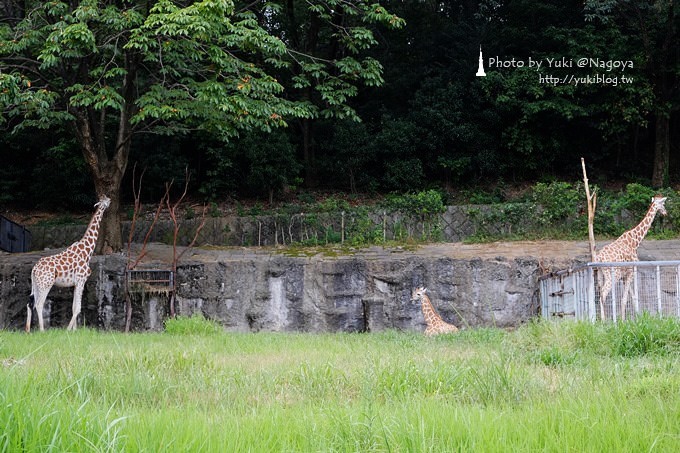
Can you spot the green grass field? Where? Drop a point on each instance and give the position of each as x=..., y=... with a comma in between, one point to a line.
x=543, y=387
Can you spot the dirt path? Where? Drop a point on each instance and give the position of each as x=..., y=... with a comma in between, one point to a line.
x=550, y=251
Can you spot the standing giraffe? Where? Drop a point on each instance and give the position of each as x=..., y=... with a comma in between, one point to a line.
x=435, y=323
x=625, y=249
x=68, y=268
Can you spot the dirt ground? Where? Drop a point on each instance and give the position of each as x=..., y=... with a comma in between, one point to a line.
x=552, y=255
x=550, y=251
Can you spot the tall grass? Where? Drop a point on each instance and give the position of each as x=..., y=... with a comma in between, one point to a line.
x=543, y=387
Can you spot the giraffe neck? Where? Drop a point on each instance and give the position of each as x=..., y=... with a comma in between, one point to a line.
x=638, y=233
x=429, y=313
x=89, y=239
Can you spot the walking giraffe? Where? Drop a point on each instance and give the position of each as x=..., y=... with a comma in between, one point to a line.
x=68, y=268
x=622, y=250
x=435, y=323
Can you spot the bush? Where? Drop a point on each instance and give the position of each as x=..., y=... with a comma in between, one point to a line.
x=423, y=203
x=559, y=201
x=635, y=199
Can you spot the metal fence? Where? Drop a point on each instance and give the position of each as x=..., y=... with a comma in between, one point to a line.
x=637, y=287
x=352, y=226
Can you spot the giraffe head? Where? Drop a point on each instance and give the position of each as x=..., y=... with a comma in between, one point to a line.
x=104, y=202
x=658, y=204
x=418, y=293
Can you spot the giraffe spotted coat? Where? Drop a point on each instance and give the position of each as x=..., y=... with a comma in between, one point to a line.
x=66, y=269
x=435, y=324
x=624, y=249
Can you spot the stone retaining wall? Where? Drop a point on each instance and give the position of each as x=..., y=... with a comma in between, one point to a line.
x=265, y=290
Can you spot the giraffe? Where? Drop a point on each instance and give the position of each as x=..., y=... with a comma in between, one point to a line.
x=625, y=249
x=435, y=323
x=68, y=268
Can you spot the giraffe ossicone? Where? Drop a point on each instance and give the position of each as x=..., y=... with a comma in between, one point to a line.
x=69, y=268
x=435, y=324
x=624, y=249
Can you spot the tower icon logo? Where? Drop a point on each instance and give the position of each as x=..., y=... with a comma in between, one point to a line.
x=480, y=70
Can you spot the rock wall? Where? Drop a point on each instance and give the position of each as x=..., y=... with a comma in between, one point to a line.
x=267, y=291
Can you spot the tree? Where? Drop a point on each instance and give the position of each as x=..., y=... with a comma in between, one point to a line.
x=112, y=69
x=654, y=25
x=318, y=33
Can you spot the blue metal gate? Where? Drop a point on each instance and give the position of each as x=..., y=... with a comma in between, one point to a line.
x=14, y=238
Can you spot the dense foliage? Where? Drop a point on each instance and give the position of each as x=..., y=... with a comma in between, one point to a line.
x=426, y=120
x=106, y=72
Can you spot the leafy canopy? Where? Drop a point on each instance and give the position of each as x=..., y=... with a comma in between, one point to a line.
x=174, y=66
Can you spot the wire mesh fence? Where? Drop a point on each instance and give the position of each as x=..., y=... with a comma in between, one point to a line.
x=584, y=293
x=299, y=228
x=358, y=225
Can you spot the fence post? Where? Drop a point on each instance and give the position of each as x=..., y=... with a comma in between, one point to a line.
x=578, y=285
x=658, y=290
x=302, y=221
x=677, y=290
x=636, y=297
x=342, y=227
x=591, y=295
x=384, y=226
x=614, y=282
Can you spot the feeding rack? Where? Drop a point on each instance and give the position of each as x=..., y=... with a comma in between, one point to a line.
x=153, y=281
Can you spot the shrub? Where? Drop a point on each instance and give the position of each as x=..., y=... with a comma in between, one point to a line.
x=635, y=199
x=422, y=203
x=559, y=201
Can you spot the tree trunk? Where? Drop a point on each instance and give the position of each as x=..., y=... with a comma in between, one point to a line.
x=108, y=168
x=107, y=181
x=110, y=234
x=107, y=174
x=662, y=147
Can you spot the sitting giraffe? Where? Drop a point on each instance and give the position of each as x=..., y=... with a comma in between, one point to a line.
x=435, y=324
x=625, y=249
x=68, y=268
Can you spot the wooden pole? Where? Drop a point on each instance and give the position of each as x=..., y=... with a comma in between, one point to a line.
x=592, y=202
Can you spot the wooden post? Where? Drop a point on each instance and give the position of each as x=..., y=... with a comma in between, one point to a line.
x=592, y=202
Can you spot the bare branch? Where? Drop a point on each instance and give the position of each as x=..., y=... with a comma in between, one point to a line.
x=137, y=209
x=196, y=234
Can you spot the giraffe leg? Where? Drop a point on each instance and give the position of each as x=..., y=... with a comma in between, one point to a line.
x=31, y=301
x=77, y=296
x=626, y=293
x=29, y=312
x=40, y=299
x=605, y=288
